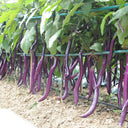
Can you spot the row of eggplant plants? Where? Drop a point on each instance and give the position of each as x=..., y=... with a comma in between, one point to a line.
x=49, y=66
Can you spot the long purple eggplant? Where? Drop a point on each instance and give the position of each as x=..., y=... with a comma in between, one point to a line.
x=39, y=66
x=95, y=98
x=90, y=81
x=76, y=89
x=123, y=113
x=125, y=87
x=111, y=48
x=109, y=80
x=21, y=36
x=49, y=83
x=3, y=65
x=125, y=93
x=67, y=72
x=71, y=77
x=120, y=83
x=100, y=76
x=38, y=87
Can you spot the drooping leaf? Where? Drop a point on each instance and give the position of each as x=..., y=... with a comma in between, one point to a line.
x=103, y=22
x=28, y=40
x=45, y=16
x=71, y=13
x=52, y=44
x=119, y=13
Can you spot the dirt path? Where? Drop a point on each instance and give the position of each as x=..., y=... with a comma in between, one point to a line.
x=52, y=114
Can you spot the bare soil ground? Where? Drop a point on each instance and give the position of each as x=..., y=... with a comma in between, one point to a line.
x=51, y=113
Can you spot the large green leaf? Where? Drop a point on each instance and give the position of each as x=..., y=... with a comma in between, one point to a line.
x=71, y=13
x=28, y=40
x=45, y=16
x=119, y=13
x=52, y=44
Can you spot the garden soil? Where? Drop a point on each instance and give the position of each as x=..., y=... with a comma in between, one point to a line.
x=52, y=113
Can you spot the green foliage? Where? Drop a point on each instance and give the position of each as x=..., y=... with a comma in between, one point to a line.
x=28, y=40
x=71, y=13
x=119, y=13
x=52, y=43
x=122, y=35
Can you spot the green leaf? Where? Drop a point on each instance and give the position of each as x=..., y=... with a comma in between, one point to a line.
x=29, y=18
x=103, y=22
x=45, y=16
x=28, y=40
x=52, y=44
x=97, y=47
x=123, y=23
x=119, y=13
x=71, y=13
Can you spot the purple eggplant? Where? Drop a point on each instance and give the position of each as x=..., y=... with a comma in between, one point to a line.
x=76, y=89
x=67, y=72
x=120, y=83
x=49, y=83
x=95, y=98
